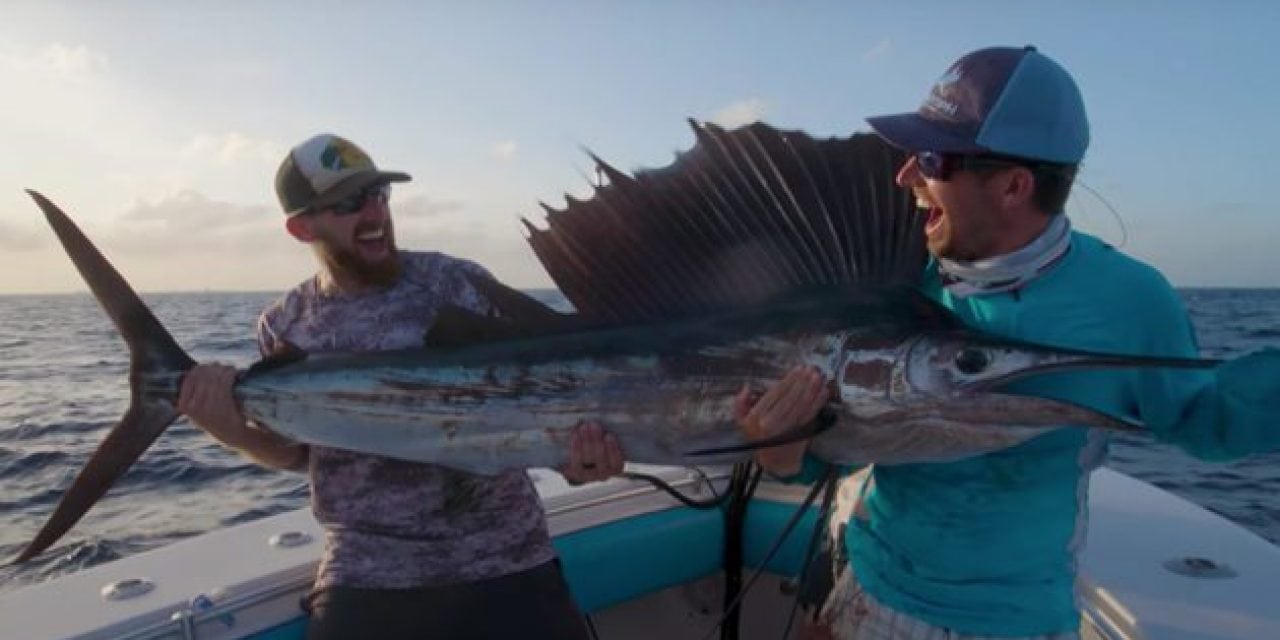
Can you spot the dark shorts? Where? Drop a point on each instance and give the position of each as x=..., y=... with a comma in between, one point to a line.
x=531, y=604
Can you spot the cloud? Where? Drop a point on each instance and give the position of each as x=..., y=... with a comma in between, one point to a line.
x=187, y=240
x=78, y=60
x=179, y=242
x=232, y=148
x=740, y=113
x=504, y=150
x=189, y=221
x=59, y=60
x=190, y=208
x=878, y=51
x=14, y=238
x=417, y=207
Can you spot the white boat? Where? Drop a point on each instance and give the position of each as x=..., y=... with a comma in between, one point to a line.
x=643, y=566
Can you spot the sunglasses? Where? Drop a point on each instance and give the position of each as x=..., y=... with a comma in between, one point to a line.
x=356, y=202
x=937, y=165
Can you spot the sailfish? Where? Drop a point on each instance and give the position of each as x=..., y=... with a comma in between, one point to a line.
x=754, y=251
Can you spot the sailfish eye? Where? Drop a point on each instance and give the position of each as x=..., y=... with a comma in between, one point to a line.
x=972, y=361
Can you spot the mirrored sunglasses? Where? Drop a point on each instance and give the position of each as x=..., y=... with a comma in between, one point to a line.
x=937, y=165
x=356, y=202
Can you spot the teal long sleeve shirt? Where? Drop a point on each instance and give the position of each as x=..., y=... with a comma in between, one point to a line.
x=988, y=545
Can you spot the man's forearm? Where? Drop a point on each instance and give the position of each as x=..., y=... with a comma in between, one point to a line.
x=271, y=450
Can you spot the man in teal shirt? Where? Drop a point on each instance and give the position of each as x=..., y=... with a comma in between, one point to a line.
x=988, y=545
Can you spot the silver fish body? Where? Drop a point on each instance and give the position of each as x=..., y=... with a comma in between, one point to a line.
x=663, y=391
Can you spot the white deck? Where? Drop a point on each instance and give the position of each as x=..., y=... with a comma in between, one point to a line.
x=1135, y=529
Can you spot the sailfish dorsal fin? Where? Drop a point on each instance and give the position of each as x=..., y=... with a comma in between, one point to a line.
x=743, y=217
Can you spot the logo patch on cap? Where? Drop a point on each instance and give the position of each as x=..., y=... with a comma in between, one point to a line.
x=937, y=100
x=952, y=76
x=340, y=155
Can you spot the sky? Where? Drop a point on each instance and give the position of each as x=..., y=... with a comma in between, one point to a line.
x=158, y=126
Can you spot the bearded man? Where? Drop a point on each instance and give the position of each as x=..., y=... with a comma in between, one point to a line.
x=411, y=550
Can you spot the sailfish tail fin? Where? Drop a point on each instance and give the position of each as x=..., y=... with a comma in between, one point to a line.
x=155, y=366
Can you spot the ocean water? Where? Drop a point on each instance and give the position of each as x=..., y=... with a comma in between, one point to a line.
x=62, y=386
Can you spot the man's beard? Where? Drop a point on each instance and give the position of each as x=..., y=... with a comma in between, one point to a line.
x=348, y=262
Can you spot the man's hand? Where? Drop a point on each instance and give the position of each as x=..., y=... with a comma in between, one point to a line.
x=793, y=402
x=593, y=455
x=206, y=399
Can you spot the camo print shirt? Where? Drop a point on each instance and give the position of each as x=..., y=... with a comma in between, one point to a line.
x=395, y=524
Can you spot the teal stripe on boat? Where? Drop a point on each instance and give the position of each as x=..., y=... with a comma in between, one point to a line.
x=620, y=561
x=624, y=560
x=295, y=629
x=765, y=520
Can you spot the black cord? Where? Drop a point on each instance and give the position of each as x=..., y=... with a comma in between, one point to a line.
x=743, y=481
x=745, y=478
x=819, y=528
x=773, y=550
x=716, y=501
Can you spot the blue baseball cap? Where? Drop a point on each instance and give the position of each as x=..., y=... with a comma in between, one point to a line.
x=1004, y=100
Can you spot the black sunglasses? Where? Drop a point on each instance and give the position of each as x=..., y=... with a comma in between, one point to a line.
x=937, y=165
x=355, y=202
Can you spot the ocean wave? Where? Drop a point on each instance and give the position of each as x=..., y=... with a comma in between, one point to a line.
x=254, y=513
x=38, y=432
x=14, y=463
x=178, y=470
x=66, y=558
x=29, y=501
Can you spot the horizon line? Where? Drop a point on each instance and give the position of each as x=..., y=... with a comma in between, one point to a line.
x=70, y=292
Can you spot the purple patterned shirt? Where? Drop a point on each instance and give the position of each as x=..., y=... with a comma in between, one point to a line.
x=395, y=524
